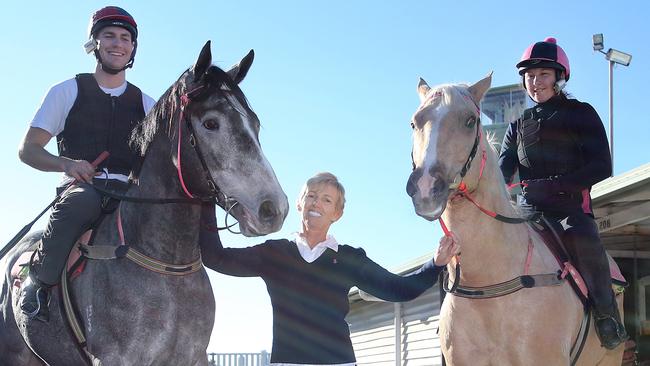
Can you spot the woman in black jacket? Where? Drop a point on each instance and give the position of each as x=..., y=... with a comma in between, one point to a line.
x=309, y=277
x=560, y=150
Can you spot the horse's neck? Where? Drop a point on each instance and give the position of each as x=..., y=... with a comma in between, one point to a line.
x=168, y=232
x=492, y=251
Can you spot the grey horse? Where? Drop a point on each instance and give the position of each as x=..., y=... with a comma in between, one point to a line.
x=200, y=140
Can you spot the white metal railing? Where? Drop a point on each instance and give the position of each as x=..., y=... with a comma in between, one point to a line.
x=239, y=359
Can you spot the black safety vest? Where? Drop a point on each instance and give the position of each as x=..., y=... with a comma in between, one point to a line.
x=546, y=145
x=100, y=122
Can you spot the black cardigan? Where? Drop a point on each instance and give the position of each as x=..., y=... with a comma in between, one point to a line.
x=310, y=300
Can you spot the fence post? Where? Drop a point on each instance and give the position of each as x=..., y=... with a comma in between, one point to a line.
x=211, y=359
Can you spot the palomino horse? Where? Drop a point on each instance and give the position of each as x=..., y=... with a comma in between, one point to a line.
x=531, y=326
x=201, y=139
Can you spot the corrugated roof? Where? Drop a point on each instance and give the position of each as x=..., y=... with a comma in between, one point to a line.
x=620, y=184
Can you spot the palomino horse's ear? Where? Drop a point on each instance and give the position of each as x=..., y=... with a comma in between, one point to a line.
x=203, y=62
x=478, y=89
x=423, y=89
x=238, y=72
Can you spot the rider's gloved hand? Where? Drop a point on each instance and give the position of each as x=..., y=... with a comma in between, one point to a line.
x=540, y=191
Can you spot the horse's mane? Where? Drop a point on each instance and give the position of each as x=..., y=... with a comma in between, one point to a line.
x=493, y=144
x=492, y=141
x=163, y=117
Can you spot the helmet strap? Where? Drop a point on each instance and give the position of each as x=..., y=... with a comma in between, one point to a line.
x=559, y=86
x=560, y=83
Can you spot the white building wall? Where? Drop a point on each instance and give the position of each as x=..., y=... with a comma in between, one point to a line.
x=415, y=342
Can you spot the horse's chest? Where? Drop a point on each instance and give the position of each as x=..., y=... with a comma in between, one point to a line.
x=150, y=309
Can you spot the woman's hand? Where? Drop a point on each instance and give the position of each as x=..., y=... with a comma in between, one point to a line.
x=448, y=248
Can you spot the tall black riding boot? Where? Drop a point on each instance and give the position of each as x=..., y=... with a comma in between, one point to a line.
x=586, y=250
x=35, y=299
x=609, y=327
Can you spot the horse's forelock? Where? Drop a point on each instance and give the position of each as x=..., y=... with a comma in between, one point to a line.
x=225, y=83
x=162, y=116
x=447, y=95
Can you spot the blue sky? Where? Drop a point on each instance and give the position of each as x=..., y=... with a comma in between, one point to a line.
x=333, y=83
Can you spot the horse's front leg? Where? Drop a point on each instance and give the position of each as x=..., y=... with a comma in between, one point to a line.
x=202, y=362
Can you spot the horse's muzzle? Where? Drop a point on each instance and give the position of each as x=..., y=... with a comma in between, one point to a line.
x=429, y=192
x=267, y=218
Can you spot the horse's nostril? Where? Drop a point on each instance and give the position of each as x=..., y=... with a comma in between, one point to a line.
x=410, y=188
x=268, y=211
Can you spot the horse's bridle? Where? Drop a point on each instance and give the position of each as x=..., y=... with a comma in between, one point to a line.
x=214, y=189
x=217, y=196
x=472, y=153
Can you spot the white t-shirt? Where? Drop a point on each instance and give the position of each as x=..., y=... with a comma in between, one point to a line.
x=58, y=102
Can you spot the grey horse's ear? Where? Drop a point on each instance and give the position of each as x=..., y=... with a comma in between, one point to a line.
x=238, y=72
x=478, y=89
x=423, y=89
x=203, y=62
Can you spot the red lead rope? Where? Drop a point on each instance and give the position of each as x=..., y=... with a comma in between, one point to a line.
x=464, y=192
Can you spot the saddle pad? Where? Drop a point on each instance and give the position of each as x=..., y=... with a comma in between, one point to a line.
x=22, y=262
x=19, y=271
x=615, y=271
x=558, y=250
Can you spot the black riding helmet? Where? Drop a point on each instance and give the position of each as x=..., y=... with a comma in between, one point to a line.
x=106, y=17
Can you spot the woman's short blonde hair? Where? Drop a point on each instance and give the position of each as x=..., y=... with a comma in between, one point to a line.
x=324, y=178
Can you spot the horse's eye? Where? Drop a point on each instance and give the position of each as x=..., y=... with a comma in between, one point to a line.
x=470, y=122
x=211, y=124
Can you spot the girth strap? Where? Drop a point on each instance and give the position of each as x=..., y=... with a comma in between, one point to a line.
x=105, y=252
x=579, y=342
x=73, y=321
x=503, y=288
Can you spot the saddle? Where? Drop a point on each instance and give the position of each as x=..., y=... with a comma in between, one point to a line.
x=75, y=265
x=553, y=241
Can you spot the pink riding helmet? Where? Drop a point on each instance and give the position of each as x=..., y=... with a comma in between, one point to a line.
x=544, y=54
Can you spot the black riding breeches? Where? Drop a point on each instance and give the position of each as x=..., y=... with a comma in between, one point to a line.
x=76, y=211
x=588, y=254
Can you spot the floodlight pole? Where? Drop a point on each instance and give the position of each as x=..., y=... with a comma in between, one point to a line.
x=612, y=56
x=611, y=112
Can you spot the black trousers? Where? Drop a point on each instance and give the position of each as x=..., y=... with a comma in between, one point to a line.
x=580, y=236
x=77, y=210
